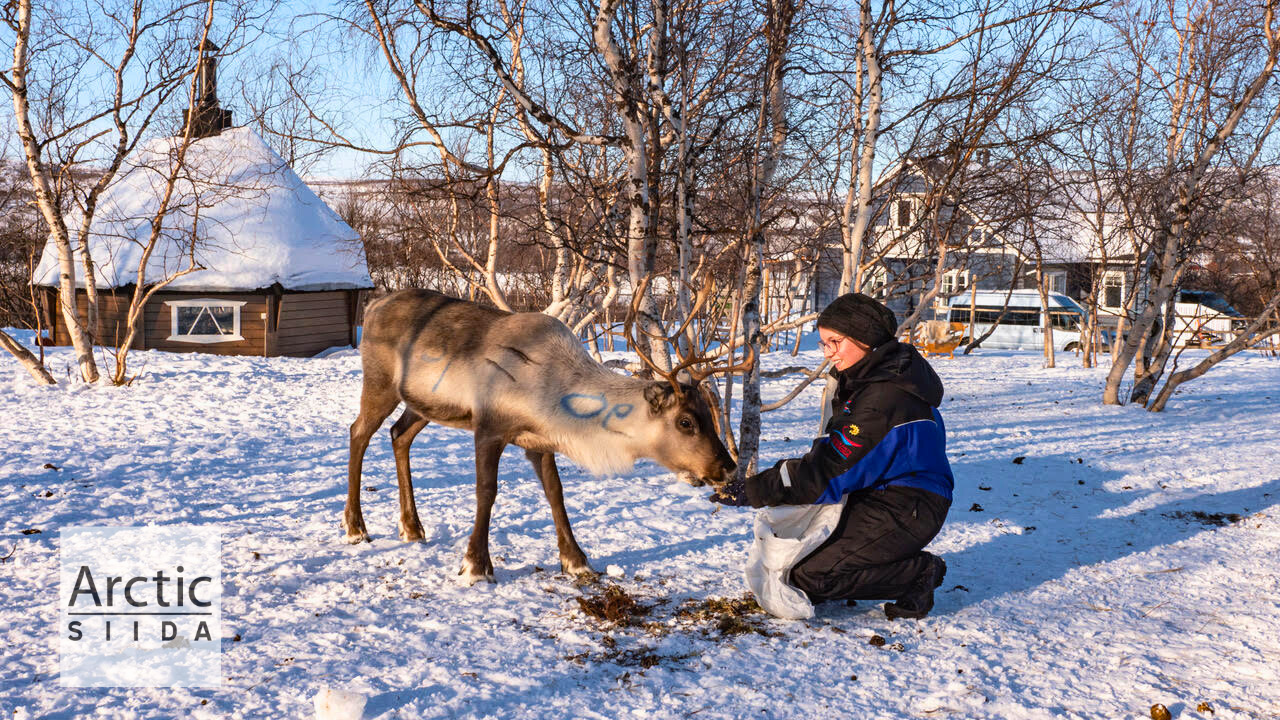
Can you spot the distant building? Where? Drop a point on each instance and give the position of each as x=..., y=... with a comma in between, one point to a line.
x=260, y=265
x=985, y=253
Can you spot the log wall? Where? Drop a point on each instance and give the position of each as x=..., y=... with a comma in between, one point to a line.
x=298, y=324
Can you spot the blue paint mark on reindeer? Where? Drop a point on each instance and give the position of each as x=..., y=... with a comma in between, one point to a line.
x=442, y=372
x=621, y=410
x=589, y=407
x=583, y=407
x=426, y=357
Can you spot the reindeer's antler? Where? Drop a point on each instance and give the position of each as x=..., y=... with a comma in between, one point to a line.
x=687, y=360
x=635, y=341
x=747, y=361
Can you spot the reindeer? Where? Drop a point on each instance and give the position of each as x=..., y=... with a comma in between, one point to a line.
x=520, y=379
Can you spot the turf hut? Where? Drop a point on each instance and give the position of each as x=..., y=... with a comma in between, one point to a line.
x=257, y=263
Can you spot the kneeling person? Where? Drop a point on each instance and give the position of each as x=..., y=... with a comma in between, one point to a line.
x=884, y=452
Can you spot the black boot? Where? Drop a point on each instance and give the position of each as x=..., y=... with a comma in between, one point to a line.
x=918, y=600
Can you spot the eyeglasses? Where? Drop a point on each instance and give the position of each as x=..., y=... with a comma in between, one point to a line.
x=829, y=346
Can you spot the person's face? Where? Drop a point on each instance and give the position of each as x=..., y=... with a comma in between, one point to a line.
x=843, y=352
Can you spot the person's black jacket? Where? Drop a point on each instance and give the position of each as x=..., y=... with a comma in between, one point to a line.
x=885, y=430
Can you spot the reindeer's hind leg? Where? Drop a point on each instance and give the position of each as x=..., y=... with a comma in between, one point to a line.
x=476, y=564
x=375, y=406
x=402, y=435
x=572, y=560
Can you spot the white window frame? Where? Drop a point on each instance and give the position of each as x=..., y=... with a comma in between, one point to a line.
x=1054, y=278
x=873, y=283
x=235, y=305
x=1107, y=277
x=904, y=203
x=955, y=282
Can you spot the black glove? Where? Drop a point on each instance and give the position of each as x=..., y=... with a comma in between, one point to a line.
x=734, y=494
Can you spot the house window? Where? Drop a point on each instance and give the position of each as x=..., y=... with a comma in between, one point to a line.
x=1112, y=289
x=904, y=213
x=955, y=281
x=207, y=320
x=874, y=281
x=1057, y=281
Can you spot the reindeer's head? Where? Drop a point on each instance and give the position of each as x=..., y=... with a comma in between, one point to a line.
x=687, y=440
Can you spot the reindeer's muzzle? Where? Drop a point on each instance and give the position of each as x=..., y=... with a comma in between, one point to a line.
x=717, y=477
x=724, y=474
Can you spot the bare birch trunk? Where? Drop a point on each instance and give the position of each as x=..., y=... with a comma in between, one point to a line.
x=749, y=422
x=1046, y=319
x=142, y=292
x=973, y=314
x=560, y=306
x=1241, y=342
x=635, y=149
x=27, y=359
x=492, y=288
x=772, y=119
x=855, y=232
x=42, y=185
x=684, y=213
x=927, y=298
x=1144, y=382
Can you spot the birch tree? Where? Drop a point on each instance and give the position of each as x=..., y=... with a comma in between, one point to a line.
x=903, y=63
x=1085, y=195
x=770, y=139
x=1204, y=70
x=1254, y=256
x=20, y=243
x=48, y=195
x=88, y=84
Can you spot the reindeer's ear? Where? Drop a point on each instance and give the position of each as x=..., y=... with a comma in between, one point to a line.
x=660, y=396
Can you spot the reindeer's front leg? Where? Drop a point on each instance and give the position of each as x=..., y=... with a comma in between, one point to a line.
x=476, y=564
x=572, y=560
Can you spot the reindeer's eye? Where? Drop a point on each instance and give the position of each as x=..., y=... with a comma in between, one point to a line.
x=685, y=423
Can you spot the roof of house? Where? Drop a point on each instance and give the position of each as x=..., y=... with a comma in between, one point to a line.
x=1068, y=229
x=255, y=222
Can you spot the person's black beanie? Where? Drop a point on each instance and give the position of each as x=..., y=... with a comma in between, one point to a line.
x=860, y=317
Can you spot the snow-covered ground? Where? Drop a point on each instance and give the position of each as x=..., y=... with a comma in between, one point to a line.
x=1127, y=559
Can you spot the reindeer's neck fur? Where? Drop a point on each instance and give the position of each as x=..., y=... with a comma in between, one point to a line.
x=601, y=419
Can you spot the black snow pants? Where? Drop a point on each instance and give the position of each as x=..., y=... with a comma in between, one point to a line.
x=876, y=549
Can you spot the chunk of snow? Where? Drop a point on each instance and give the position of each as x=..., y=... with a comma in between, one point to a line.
x=339, y=705
x=614, y=571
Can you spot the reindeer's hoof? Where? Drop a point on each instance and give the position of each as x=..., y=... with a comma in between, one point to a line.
x=579, y=569
x=412, y=534
x=356, y=533
x=357, y=537
x=472, y=573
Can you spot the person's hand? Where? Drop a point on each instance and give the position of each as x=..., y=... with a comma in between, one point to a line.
x=734, y=494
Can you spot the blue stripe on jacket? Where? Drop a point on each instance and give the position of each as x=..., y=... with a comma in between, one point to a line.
x=912, y=454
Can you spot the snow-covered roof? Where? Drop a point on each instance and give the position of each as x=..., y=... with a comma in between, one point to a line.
x=256, y=223
x=1068, y=228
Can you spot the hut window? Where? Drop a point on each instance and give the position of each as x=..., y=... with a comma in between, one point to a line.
x=207, y=320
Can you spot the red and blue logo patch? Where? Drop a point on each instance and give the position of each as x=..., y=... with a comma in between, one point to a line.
x=842, y=440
